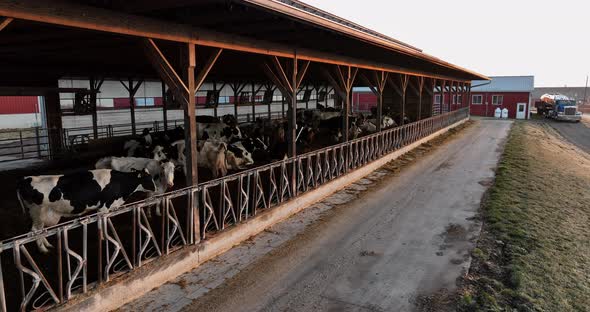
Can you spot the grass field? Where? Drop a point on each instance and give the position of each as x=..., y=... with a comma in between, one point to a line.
x=534, y=250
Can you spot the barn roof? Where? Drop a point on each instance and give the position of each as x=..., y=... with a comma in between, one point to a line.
x=74, y=38
x=504, y=84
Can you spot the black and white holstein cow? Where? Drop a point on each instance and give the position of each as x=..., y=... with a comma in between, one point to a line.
x=386, y=121
x=48, y=198
x=218, y=131
x=140, y=145
x=211, y=155
x=162, y=172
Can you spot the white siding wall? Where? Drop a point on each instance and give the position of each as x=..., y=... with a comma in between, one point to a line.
x=114, y=89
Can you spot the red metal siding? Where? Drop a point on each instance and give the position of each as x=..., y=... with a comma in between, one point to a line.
x=509, y=102
x=363, y=101
x=18, y=105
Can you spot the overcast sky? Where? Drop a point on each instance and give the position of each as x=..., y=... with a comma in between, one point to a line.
x=495, y=37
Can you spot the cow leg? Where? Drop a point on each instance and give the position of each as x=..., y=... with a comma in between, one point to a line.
x=41, y=242
x=51, y=218
x=39, y=216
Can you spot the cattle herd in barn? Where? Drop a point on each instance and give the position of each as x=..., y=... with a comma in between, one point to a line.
x=148, y=162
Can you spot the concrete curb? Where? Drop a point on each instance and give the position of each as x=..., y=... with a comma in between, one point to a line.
x=137, y=283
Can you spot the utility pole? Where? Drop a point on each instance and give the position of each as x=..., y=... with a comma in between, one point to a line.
x=585, y=91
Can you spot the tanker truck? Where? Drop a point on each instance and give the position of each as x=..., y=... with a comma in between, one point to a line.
x=558, y=107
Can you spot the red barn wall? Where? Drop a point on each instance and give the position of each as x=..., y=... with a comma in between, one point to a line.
x=510, y=101
x=363, y=101
x=18, y=105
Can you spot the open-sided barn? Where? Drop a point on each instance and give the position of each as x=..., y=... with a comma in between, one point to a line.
x=284, y=47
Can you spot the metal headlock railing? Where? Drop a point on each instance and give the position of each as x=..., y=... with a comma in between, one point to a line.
x=92, y=250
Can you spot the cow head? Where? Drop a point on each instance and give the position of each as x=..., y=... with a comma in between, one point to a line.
x=354, y=132
x=232, y=133
x=238, y=157
x=367, y=126
x=306, y=136
x=388, y=122
x=230, y=120
x=147, y=137
x=167, y=171
x=158, y=153
x=252, y=144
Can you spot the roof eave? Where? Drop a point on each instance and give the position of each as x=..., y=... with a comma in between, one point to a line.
x=391, y=44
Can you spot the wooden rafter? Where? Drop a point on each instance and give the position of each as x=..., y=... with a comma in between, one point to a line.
x=404, y=80
x=207, y=68
x=237, y=87
x=98, y=84
x=414, y=85
x=378, y=81
x=394, y=86
x=276, y=80
x=124, y=85
x=281, y=74
x=371, y=84
x=166, y=71
x=335, y=85
x=381, y=79
x=4, y=21
x=301, y=73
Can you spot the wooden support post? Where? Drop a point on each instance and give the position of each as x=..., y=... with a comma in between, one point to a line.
x=464, y=99
x=282, y=105
x=132, y=107
x=342, y=85
x=237, y=88
x=464, y=96
x=453, y=101
x=432, y=96
x=189, y=61
x=253, y=102
x=444, y=94
x=236, y=101
x=269, y=104
x=289, y=87
x=420, y=89
x=184, y=86
x=404, y=84
x=291, y=113
x=317, y=96
x=132, y=88
x=377, y=86
x=469, y=97
x=306, y=100
x=214, y=97
x=451, y=96
x=54, y=121
x=164, y=106
x=94, y=108
x=94, y=89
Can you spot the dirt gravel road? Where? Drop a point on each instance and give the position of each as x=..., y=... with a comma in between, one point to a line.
x=399, y=240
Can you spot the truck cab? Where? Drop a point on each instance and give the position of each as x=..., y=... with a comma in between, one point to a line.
x=560, y=107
